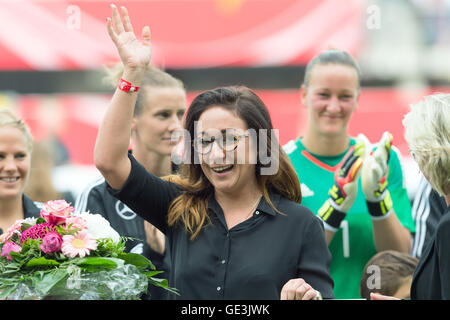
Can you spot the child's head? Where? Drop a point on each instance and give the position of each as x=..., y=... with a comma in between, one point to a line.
x=389, y=273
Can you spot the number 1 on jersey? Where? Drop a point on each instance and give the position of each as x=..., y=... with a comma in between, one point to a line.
x=345, y=239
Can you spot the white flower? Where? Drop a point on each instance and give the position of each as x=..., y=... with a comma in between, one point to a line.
x=99, y=228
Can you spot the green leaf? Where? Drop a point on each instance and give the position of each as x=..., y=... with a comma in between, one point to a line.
x=136, y=259
x=40, y=220
x=163, y=283
x=25, y=226
x=152, y=273
x=42, y=262
x=94, y=263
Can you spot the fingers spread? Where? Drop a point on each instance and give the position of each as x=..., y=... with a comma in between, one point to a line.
x=116, y=20
x=111, y=32
x=126, y=20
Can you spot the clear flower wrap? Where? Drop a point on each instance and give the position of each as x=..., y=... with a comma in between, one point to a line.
x=125, y=282
x=70, y=256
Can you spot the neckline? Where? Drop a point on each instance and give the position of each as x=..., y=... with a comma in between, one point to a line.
x=319, y=160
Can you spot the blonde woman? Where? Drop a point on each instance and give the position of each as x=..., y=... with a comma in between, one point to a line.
x=427, y=132
x=15, y=158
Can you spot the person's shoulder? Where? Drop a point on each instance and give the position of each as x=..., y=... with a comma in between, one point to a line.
x=93, y=191
x=32, y=209
x=97, y=185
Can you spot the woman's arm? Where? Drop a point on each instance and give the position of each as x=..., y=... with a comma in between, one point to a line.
x=110, y=154
x=382, y=174
x=390, y=234
x=314, y=261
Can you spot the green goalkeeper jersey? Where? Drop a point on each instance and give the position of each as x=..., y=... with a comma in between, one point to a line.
x=353, y=244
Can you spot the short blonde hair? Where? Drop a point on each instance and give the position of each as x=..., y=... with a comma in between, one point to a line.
x=8, y=118
x=427, y=131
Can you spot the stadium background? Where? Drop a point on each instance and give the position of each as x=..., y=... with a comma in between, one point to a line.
x=52, y=55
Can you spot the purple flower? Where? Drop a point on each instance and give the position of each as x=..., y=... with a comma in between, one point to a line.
x=37, y=231
x=8, y=247
x=51, y=242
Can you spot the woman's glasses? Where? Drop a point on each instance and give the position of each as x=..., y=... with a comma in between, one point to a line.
x=226, y=141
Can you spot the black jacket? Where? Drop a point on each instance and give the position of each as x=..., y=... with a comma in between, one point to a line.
x=431, y=278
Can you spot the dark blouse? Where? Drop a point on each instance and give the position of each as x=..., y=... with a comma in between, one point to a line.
x=431, y=278
x=252, y=260
x=31, y=208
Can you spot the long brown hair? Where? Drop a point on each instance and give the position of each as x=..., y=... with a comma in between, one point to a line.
x=190, y=207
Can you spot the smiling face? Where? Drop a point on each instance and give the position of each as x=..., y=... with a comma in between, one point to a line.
x=162, y=116
x=331, y=97
x=14, y=162
x=228, y=171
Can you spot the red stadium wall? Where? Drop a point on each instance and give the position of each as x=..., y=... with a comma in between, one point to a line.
x=74, y=119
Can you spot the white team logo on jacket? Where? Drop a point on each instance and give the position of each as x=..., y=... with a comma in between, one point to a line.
x=124, y=212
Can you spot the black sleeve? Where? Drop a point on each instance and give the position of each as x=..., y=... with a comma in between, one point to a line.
x=315, y=259
x=443, y=251
x=147, y=195
x=427, y=210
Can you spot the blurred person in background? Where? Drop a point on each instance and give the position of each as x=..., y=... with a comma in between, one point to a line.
x=16, y=144
x=427, y=132
x=361, y=216
x=388, y=273
x=235, y=232
x=40, y=186
x=158, y=116
x=427, y=209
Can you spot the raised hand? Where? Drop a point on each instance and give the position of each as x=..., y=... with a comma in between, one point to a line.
x=343, y=192
x=135, y=54
x=374, y=179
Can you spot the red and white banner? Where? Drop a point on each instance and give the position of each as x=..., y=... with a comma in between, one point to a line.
x=71, y=35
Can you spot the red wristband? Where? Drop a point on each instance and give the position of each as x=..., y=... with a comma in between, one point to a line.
x=127, y=86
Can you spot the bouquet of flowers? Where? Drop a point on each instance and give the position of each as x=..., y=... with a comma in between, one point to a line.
x=69, y=255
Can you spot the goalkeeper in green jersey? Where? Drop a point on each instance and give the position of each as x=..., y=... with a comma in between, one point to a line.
x=356, y=188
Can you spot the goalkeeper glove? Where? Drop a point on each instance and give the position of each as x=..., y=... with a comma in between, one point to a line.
x=374, y=179
x=343, y=192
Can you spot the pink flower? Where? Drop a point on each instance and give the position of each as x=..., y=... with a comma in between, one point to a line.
x=8, y=247
x=37, y=231
x=79, y=245
x=15, y=228
x=56, y=211
x=76, y=222
x=51, y=242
